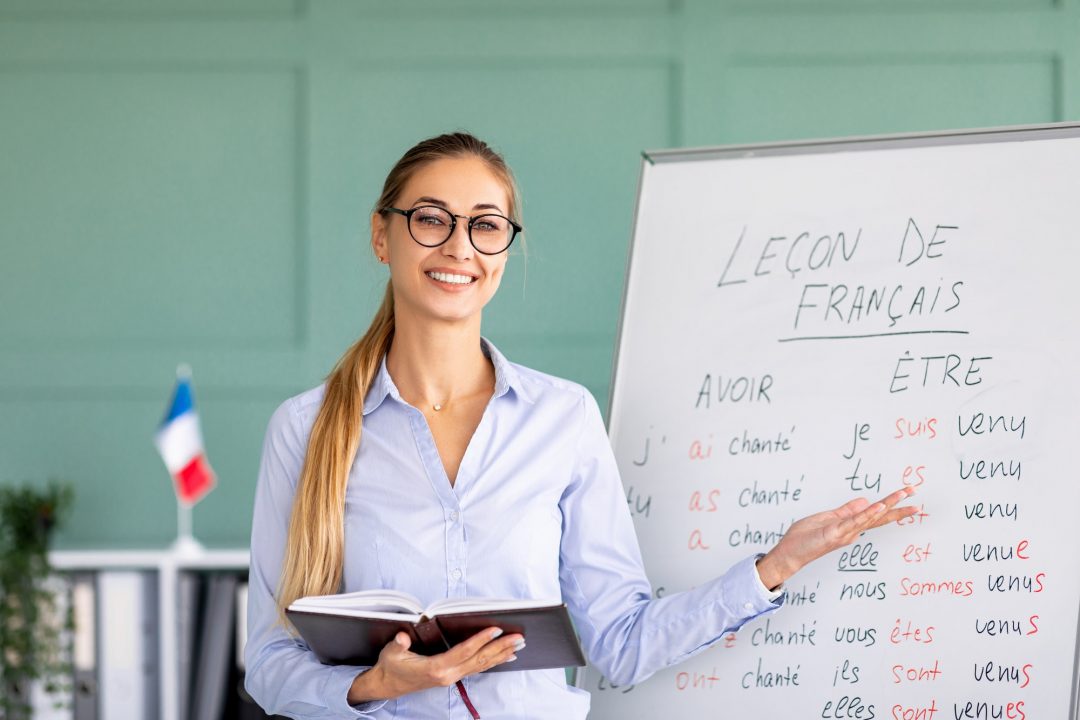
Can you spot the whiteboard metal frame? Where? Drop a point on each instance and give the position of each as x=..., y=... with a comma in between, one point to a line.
x=975, y=136
x=1014, y=133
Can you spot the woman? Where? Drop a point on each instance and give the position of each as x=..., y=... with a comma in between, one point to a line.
x=476, y=477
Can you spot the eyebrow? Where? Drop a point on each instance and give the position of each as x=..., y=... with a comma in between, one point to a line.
x=428, y=200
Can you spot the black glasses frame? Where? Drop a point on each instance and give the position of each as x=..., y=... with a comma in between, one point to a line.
x=407, y=214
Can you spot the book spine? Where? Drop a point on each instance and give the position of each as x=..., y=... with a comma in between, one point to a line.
x=431, y=635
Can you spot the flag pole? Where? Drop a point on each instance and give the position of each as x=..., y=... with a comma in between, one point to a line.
x=185, y=543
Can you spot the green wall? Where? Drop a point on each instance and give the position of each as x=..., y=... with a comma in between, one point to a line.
x=189, y=180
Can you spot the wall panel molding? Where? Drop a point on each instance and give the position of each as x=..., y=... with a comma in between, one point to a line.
x=79, y=10
x=174, y=205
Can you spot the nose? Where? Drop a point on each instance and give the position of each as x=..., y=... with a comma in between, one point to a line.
x=458, y=246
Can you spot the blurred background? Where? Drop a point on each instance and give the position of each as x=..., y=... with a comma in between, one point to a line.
x=190, y=181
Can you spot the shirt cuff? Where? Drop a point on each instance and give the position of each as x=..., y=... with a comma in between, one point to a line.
x=336, y=692
x=770, y=595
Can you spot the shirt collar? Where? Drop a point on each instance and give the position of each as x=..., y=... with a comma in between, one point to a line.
x=507, y=378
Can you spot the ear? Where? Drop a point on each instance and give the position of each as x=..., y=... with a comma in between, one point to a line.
x=379, y=243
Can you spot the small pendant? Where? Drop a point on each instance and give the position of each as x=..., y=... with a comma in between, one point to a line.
x=437, y=407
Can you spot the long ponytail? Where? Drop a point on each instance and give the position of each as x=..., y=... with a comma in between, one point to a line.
x=315, y=549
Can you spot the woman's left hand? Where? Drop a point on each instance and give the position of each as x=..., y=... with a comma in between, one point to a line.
x=816, y=535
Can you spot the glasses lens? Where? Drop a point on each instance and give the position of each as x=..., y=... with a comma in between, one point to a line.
x=491, y=233
x=430, y=225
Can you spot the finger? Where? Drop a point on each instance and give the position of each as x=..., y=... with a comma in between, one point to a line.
x=476, y=654
x=852, y=508
x=463, y=656
x=397, y=649
x=462, y=652
x=852, y=526
x=895, y=497
x=889, y=515
x=495, y=653
x=895, y=515
x=892, y=514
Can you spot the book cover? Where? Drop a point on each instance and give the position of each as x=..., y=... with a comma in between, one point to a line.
x=352, y=629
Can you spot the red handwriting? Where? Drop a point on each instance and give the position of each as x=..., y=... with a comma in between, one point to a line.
x=704, y=503
x=959, y=588
x=911, y=633
x=696, y=681
x=907, y=428
x=699, y=451
x=915, y=674
x=899, y=712
x=696, y=542
x=917, y=518
x=916, y=554
x=913, y=476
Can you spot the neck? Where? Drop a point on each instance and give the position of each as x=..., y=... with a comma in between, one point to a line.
x=437, y=364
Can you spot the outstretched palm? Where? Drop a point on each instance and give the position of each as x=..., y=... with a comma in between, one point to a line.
x=819, y=534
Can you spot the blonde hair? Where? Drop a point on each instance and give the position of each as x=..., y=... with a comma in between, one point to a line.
x=315, y=549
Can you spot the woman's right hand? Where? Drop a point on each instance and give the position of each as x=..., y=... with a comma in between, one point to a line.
x=399, y=671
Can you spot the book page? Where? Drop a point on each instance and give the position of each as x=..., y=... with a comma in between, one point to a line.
x=466, y=605
x=366, y=601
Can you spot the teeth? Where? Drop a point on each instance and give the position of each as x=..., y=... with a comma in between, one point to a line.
x=448, y=278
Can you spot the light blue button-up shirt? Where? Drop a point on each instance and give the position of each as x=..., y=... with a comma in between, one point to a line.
x=537, y=511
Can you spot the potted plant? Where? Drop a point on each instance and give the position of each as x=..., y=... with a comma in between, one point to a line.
x=34, y=640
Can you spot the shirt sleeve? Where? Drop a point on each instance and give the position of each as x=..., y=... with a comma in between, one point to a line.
x=627, y=634
x=283, y=675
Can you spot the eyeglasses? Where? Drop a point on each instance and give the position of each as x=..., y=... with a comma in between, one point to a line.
x=431, y=226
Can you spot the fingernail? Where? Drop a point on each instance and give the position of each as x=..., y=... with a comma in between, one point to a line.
x=512, y=658
x=519, y=645
x=496, y=633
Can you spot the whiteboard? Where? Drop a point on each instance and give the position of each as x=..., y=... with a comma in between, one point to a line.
x=808, y=323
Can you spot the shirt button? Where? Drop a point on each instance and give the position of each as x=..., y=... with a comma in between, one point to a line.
x=749, y=606
x=456, y=574
x=453, y=516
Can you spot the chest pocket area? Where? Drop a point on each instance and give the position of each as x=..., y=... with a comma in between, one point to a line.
x=362, y=569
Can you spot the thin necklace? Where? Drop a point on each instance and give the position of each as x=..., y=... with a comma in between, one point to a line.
x=439, y=406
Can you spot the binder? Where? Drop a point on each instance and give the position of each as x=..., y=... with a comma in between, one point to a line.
x=127, y=645
x=84, y=704
x=216, y=644
x=55, y=705
x=187, y=614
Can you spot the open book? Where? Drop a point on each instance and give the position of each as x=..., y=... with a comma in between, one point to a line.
x=351, y=629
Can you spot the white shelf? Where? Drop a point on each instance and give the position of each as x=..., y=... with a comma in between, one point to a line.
x=168, y=564
x=148, y=559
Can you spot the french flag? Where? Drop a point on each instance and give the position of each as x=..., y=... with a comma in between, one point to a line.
x=179, y=440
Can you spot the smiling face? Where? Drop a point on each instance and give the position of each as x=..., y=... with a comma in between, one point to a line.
x=452, y=282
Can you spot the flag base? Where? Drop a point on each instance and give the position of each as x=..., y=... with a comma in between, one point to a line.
x=187, y=546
